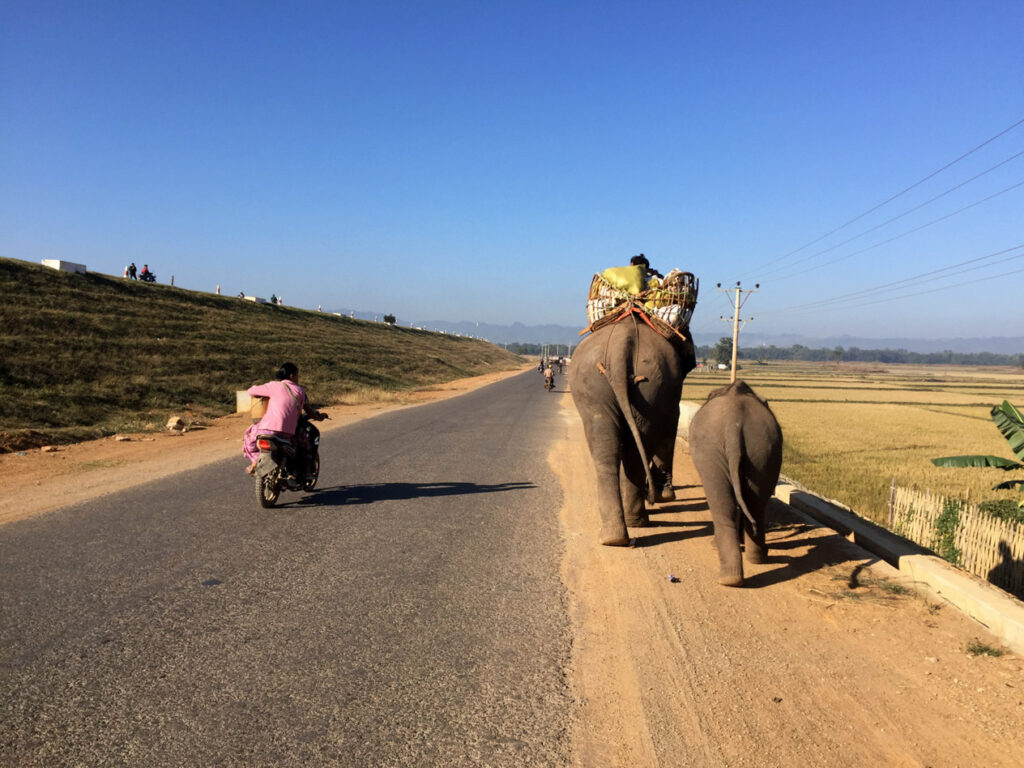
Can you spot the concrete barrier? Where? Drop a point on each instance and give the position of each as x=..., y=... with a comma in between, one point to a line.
x=687, y=408
x=999, y=612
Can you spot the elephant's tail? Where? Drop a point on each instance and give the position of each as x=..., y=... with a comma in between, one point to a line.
x=620, y=386
x=734, y=451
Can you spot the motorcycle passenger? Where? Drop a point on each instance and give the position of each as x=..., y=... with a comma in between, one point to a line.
x=287, y=401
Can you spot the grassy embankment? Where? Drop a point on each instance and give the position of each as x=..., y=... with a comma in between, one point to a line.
x=850, y=429
x=82, y=356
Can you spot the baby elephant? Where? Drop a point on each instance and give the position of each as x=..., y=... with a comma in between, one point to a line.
x=736, y=445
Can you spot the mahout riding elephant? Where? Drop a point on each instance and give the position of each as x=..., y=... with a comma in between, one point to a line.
x=626, y=381
x=736, y=446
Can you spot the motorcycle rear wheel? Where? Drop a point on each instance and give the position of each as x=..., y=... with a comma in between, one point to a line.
x=313, y=477
x=267, y=490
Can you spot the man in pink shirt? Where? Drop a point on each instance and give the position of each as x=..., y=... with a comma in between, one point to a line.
x=287, y=400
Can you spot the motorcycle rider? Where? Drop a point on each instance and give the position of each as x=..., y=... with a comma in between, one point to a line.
x=287, y=401
x=549, y=376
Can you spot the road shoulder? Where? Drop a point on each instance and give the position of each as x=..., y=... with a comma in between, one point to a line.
x=819, y=660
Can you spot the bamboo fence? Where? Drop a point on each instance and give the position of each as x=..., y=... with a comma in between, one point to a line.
x=981, y=544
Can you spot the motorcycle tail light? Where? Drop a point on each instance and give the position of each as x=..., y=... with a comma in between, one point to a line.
x=264, y=444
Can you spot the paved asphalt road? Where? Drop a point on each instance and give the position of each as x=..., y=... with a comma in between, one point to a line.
x=408, y=614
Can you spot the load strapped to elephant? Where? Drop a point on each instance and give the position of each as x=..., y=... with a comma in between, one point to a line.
x=664, y=303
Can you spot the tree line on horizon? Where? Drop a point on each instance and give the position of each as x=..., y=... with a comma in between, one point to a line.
x=722, y=353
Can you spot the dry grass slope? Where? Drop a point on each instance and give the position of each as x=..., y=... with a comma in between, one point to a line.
x=87, y=355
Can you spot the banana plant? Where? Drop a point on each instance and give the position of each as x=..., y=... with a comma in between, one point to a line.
x=1011, y=425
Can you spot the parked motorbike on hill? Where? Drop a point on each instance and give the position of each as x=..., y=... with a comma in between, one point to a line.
x=286, y=465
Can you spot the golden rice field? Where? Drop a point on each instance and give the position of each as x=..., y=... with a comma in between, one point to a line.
x=849, y=429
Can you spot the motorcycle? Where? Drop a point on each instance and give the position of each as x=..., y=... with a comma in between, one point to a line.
x=147, y=277
x=286, y=465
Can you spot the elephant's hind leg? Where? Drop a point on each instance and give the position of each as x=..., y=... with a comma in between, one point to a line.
x=633, y=487
x=661, y=470
x=727, y=533
x=605, y=450
x=613, y=525
x=755, y=548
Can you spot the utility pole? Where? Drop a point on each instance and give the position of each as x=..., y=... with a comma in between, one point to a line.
x=739, y=301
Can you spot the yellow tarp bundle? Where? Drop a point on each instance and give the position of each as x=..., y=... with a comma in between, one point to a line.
x=628, y=279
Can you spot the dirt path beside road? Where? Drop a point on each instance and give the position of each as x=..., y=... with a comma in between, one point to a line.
x=818, y=661
x=35, y=481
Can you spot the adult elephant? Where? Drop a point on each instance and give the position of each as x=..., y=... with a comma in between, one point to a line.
x=736, y=445
x=626, y=381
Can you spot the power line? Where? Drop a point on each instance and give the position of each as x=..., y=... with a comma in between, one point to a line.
x=893, y=197
x=859, y=305
x=900, y=216
x=903, y=234
x=935, y=290
x=930, y=276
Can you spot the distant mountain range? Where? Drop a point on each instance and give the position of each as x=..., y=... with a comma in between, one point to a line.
x=567, y=334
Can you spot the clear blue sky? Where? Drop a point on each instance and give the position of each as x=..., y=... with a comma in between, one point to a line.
x=475, y=160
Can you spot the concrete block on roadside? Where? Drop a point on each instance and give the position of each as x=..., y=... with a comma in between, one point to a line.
x=256, y=407
x=997, y=611
x=874, y=538
x=64, y=266
x=687, y=410
x=243, y=401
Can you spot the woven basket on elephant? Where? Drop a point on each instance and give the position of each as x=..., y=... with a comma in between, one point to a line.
x=670, y=305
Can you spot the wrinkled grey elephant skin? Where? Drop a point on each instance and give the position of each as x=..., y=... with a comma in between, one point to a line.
x=626, y=381
x=736, y=446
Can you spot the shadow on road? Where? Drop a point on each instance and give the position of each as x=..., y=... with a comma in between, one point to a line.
x=693, y=530
x=697, y=505
x=373, y=492
x=822, y=552
x=786, y=533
